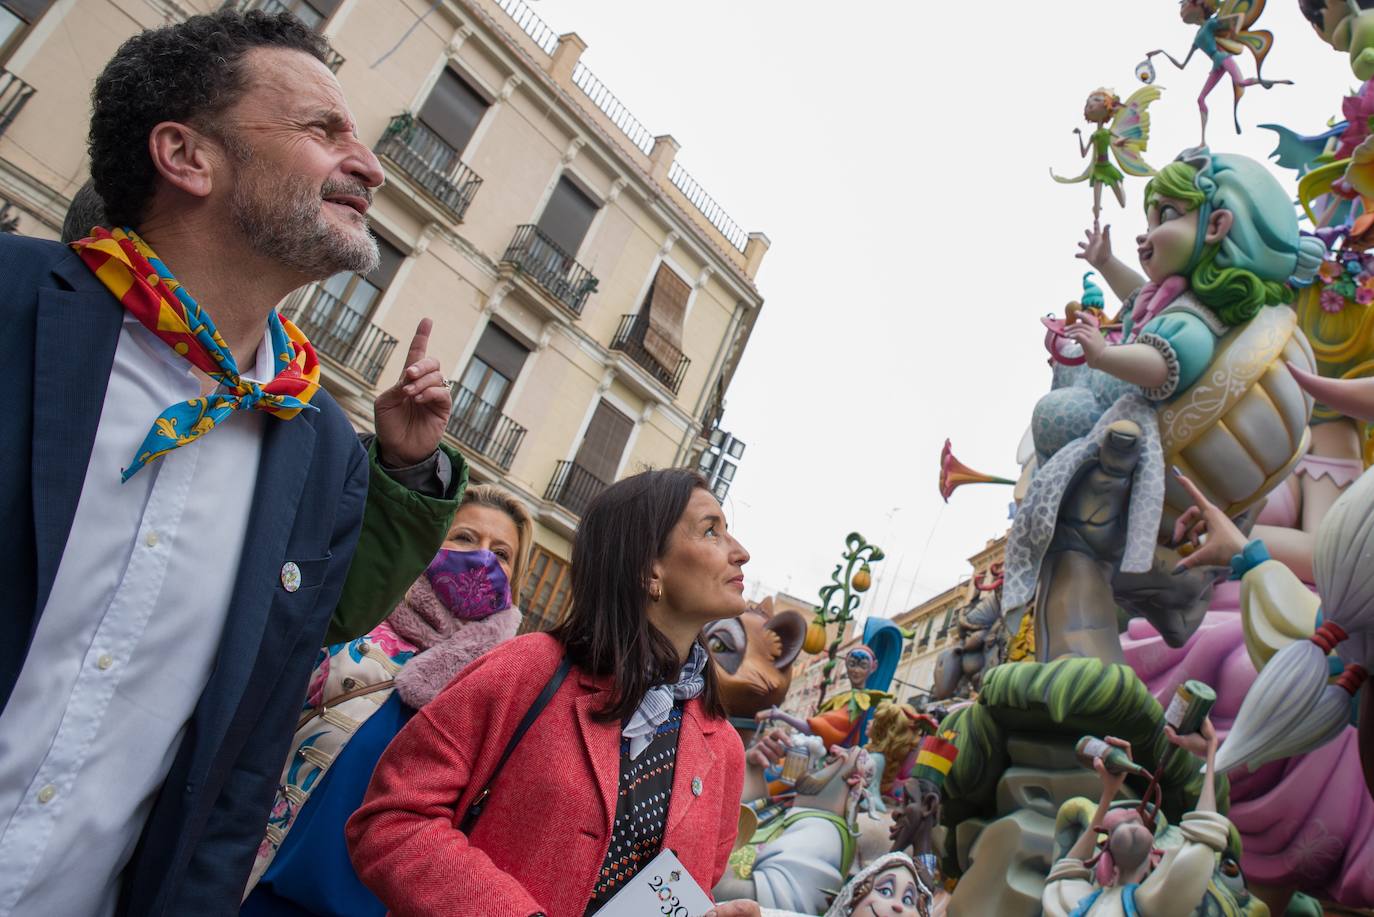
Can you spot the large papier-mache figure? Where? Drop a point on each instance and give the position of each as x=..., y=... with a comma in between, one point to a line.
x=843, y=717
x=1127, y=877
x=799, y=856
x=1195, y=379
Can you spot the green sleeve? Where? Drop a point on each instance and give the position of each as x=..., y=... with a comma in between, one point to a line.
x=402, y=531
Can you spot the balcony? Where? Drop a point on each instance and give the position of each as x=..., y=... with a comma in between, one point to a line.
x=664, y=363
x=430, y=164
x=14, y=95
x=534, y=256
x=340, y=333
x=332, y=59
x=481, y=427
x=573, y=487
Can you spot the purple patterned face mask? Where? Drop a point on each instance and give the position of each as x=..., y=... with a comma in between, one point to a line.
x=471, y=584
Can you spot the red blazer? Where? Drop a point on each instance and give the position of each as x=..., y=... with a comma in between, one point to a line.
x=543, y=836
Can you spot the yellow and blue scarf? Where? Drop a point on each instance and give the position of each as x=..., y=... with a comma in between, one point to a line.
x=141, y=282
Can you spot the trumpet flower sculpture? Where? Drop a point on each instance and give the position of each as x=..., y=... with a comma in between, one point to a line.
x=955, y=474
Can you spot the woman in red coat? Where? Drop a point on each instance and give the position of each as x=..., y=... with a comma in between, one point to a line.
x=631, y=755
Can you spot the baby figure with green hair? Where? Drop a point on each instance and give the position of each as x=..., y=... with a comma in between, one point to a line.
x=1221, y=244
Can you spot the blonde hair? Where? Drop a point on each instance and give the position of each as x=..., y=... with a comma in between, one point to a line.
x=498, y=498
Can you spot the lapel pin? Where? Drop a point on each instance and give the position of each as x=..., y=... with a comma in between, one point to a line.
x=290, y=576
x=696, y=786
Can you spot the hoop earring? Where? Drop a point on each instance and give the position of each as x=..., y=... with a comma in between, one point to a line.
x=655, y=593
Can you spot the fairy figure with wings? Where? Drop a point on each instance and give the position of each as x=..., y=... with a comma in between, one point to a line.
x=1224, y=31
x=1126, y=137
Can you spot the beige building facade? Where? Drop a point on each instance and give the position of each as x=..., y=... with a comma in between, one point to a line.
x=591, y=301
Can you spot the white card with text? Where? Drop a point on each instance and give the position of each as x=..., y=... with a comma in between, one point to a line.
x=663, y=886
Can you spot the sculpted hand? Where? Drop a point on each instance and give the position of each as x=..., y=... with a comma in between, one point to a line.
x=1086, y=335
x=1111, y=783
x=410, y=416
x=1197, y=743
x=1223, y=540
x=1097, y=250
x=769, y=749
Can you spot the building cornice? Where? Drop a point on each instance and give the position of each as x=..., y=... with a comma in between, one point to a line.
x=580, y=123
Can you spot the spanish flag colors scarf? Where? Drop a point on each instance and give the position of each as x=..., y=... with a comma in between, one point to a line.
x=141, y=282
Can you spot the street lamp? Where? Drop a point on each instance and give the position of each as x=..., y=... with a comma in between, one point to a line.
x=840, y=597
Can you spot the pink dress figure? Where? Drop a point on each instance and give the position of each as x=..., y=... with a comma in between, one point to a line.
x=1306, y=823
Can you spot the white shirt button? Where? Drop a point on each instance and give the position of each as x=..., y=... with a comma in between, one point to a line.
x=151, y=540
x=104, y=662
x=46, y=794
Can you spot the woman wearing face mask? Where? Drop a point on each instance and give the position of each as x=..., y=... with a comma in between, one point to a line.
x=630, y=754
x=364, y=691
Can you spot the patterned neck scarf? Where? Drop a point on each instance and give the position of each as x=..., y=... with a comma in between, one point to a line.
x=653, y=710
x=141, y=282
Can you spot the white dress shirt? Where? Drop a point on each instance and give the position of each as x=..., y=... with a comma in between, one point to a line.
x=127, y=640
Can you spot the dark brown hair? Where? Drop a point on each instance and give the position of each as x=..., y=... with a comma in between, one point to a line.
x=190, y=71
x=607, y=630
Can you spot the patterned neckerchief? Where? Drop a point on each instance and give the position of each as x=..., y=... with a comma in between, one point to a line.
x=146, y=288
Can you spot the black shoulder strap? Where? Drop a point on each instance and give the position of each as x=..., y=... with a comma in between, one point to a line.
x=475, y=810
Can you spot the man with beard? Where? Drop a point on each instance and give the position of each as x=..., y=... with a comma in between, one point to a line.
x=165, y=596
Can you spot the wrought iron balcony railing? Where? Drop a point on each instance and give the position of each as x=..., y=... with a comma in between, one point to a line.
x=14, y=95
x=482, y=427
x=333, y=59
x=573, y=487
x=659, y=358
x=340, y=333
x=428, y=161
x=536, y=255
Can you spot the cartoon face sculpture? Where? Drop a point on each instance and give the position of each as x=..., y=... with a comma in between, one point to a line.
x=895, y=893
x=753, y=655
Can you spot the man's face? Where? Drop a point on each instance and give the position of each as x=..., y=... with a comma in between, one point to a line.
x=302, y=180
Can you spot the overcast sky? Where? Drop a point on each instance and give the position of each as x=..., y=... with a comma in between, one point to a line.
x=897, y=154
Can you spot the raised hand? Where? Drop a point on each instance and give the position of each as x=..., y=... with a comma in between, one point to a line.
x=1197, y=743
x=410, y=416
x=1223, y=539
x=769, y=749
x=1086, y=335
x=1097, y=250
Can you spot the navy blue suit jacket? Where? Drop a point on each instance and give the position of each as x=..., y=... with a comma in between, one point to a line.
x=58, y=331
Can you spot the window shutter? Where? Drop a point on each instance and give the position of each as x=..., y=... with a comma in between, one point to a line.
x=501, y=352
x=567, y=217
x=453, y=110
x=604, y=442
x=390, y=263
x=667, y=310
x=27, y=10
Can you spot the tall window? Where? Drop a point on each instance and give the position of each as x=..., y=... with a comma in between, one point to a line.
x=495, y=366
x=604, y=442
x=15, y=18
x=351, y=298
x=663, y=314
x=547, y=593
x=453, y=110
x=312, y=12
x=567, y=216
